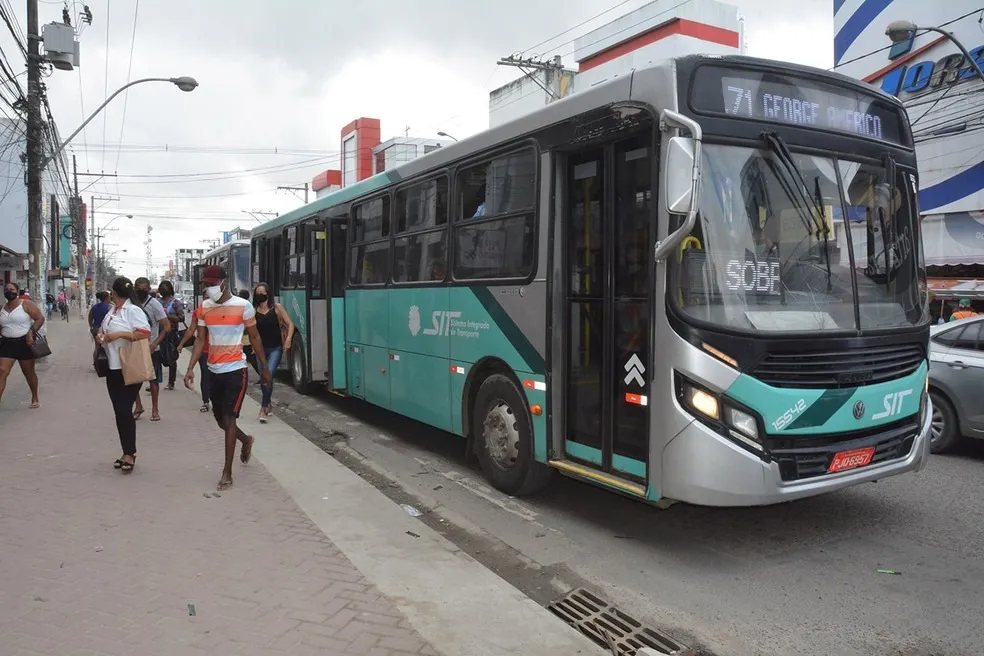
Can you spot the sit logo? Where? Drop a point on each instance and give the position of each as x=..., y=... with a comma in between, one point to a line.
x=440, y=319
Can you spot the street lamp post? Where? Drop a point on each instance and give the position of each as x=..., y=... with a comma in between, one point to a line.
x=902, y=30
x=445, y=134
x=37, y=163
x=184, y=83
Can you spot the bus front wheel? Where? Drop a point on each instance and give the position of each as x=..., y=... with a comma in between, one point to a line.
x=504, y=438
x=298, y=368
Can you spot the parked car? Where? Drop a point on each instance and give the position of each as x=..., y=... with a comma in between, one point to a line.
x=956, y=382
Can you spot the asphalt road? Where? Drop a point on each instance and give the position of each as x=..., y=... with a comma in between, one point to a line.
x=801, y=578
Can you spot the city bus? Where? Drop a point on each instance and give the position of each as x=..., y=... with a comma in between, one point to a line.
x=702, y=281
x=233, y=256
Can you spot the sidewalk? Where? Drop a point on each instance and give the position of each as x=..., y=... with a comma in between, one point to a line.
x=94, y=563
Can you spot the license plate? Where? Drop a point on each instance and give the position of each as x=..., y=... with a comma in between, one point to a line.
x=852, y=459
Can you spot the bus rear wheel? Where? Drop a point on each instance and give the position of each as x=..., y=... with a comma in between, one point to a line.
x=503, y=435
x=298, y=368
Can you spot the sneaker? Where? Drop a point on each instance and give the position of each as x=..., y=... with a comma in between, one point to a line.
x=263, y=416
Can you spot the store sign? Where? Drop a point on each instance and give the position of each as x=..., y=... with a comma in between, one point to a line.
x=929, y=75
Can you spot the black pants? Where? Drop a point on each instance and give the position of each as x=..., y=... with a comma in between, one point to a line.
x=123, y=397
x=206, y=384
x=172, y=373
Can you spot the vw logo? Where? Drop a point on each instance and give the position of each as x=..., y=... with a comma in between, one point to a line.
x=859, y=409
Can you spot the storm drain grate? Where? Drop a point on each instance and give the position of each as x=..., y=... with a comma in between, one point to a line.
x=610, y=628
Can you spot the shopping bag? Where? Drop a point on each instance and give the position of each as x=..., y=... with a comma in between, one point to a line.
x=136, y=363
x=40, y=348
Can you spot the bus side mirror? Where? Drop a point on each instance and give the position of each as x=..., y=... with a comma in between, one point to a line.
x=678, y=191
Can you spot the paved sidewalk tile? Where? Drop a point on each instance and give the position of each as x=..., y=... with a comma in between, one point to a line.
x=93, y=562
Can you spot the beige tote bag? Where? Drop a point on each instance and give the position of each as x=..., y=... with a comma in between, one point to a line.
x=136, y=363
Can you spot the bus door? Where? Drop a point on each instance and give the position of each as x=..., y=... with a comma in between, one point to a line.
x=198, y=291
x=337, y=230
x=607, y=227
x=315, y=250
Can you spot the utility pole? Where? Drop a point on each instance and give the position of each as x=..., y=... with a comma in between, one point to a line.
x=35, y=234
x=534, y=64
x=265, y=215
x=97, y=235
x=304, y=189
x=78, y=229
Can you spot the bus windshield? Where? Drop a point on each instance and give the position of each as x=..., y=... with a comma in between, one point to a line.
x=803, y=244
x=240, y=268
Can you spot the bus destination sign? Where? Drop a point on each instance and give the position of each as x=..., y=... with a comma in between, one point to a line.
x=777, y=98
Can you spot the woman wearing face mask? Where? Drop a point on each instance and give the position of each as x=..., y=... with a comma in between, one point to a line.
x=276, y=332
x=20, y=321
x=125, y=322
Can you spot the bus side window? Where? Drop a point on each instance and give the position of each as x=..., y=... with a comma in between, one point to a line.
x=289, y=257
x=314, y=258
x=370, y=250
x=494, y=235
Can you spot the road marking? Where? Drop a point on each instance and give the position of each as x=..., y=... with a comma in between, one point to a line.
x=490, y=495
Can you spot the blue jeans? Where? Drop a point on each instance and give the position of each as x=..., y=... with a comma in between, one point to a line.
x=273, y=356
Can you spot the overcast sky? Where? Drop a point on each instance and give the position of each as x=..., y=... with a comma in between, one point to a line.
x=290, y=78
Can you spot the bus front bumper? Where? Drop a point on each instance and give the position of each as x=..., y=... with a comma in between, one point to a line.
x=703, y=468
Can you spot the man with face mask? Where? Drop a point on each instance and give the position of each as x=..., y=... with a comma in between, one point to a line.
x=223, y=319
x=159, y=327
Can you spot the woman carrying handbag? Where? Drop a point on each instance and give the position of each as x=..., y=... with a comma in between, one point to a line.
x=124, y=325
x=20, y=342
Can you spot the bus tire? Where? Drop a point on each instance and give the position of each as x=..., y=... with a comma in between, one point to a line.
x=944, y=429
x=299, y=378
x=503, y=433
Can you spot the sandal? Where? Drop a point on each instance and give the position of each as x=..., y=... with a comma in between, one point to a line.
x=138, y=413
x=118, y=463
x=204, y=408
x=263, y=416
x=155, y=417
x=127, y=467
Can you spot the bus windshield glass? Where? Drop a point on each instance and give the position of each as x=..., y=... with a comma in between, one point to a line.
x=240, y=268
x=781, y=245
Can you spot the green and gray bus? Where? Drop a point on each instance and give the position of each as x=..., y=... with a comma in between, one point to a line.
x=701, y=281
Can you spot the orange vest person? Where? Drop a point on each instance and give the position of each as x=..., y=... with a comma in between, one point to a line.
x=964, y=310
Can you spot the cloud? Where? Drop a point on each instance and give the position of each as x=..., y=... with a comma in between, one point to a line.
x=289, y=75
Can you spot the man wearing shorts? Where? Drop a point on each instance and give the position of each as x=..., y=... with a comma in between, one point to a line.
x=223, y=319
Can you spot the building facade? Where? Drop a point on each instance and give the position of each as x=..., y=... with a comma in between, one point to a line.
x=656, y=31
x=363, y=155
x=942, y=94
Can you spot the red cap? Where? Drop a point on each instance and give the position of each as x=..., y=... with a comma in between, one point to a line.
x=213, y=273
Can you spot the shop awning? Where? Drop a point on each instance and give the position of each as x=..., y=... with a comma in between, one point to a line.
x=943, y=288
x=956, y=238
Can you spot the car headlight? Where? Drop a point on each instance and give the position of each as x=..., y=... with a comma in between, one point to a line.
x=719, y=413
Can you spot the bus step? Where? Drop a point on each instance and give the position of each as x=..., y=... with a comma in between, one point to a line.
x=612, y=629
x=580, y=471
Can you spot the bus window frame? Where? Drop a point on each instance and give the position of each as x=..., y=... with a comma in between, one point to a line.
x=395, y=234
x=352, y=245
x=312, y=226
x=457, y=220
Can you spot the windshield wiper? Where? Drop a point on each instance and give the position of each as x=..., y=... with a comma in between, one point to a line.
x=784, y=157
x=818, y=197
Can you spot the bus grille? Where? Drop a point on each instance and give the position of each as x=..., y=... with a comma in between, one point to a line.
x=808, y=456
x=834, y=369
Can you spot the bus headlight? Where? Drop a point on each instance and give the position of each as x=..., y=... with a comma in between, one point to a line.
x=719, y=413
x=742, y=422
x=703, y=402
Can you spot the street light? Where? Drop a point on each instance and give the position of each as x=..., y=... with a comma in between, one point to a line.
x=445, y=134
x=185, y=83
x=901, y=31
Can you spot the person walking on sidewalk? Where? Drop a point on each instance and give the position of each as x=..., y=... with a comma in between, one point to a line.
x=276, y=331
x=159, y=327
x=20, y=321
x=174, y=309
x=223, y=319
x=125, y=322
x=206, y=386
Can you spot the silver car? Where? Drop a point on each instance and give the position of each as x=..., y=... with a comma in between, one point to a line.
x=956, y=382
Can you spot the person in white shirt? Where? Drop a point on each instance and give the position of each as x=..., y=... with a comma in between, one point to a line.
x=125, y=322
x=20, y=321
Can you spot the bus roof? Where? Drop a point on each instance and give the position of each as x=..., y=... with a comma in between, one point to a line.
x=613, y=90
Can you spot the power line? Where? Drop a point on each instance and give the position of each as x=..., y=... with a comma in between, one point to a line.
x=129, y=69
x=582, y=23
x=105, y=89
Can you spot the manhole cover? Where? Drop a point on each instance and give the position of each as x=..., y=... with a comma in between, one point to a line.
x=611, y=628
